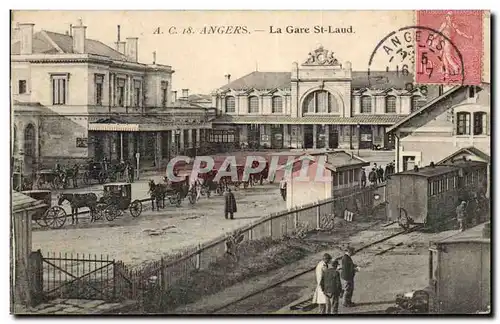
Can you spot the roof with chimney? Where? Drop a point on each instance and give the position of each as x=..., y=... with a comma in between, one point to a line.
x=282, y=80
x=47, y=42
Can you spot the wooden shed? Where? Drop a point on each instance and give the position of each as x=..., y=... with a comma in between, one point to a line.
x=23, y=207
x=460, y=272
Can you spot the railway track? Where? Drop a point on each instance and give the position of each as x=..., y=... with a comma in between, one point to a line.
x=241, y=301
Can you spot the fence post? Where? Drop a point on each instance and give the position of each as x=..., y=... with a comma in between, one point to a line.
x=198, y=257
x=296, y=219
x=318, y=218
x=114, y=279
x=250, y=234
x=271, y=226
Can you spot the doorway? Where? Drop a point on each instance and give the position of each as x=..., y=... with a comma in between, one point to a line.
x=365, y=137
x=277, y=136
x=333, y=140
x=408, y=163
x=308, y=136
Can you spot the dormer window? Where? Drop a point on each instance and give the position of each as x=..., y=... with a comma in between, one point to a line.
x=366, y=104
x=390, y=104
x=277, y=104
x=253, y=104
x=472, y=91
x=230, y=104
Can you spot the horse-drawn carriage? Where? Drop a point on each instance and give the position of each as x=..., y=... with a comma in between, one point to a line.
x=95, y=171
x=116, y=198
x=53, y=178
x=50, y=216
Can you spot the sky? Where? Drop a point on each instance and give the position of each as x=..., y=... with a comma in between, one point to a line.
x=201, y=61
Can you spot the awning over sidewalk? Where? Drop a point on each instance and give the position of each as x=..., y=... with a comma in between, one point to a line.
x=310, y=120
x=147, y=124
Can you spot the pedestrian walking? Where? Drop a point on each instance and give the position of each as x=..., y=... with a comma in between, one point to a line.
x=372, y=176
x=230, y=205
x=332, y=287
x=283, y=188
x=461, y=215
x=347, y=275
x=362, y=178
x=380, y=174
x=319, y=297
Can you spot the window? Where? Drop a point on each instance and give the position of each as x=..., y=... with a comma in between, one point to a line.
x=341, y=178
x=98, y=84
x=120, y=93
x=277, y=104
x=59, y=85
x=22, y=86
x=253, y=104
x=480, y=123
x=390, y=104
x=230, y=104
x=366, y=104
x=164, y=87
x=463, y=123
x=320, y=101
x=29, y=140
x=472, y=91
x=137, y=93
x=415, y=105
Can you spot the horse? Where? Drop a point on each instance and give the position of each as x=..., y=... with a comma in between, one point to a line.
x=158, y=192
x=78, y=201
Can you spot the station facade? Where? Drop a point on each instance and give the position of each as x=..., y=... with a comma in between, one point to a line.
x=321, y=103
x=76, y=99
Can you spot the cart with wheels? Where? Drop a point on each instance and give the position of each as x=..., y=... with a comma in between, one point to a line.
x=50, y=216
x=117, y=197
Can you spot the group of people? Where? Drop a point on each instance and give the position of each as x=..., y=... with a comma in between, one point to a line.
x=377, y=174
x=334, y=283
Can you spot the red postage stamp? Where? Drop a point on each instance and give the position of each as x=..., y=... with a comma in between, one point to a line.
x=452, y=50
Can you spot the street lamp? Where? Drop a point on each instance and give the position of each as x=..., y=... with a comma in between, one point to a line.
x=359, y=135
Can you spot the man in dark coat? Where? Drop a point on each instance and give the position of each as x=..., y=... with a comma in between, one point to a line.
x=380, y=174
x=347, y=274
x=332, y=288
x=230, y=206
x=372, y=176
x=362, y=178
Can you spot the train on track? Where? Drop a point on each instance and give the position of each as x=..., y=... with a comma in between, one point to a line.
x=430, y=195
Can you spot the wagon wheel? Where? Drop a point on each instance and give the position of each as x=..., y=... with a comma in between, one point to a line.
x=245, y=185
x=40, y=219
x=111, y=212
x=135, y=208
x=101, y=177
x=100, y=207
x=55, y=217
x=403, y=220
x=86, y=178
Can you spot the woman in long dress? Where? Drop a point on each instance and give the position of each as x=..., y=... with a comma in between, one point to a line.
x=319, y=296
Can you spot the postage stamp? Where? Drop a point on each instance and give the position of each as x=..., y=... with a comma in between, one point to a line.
x=163, y=160
x=454, y=52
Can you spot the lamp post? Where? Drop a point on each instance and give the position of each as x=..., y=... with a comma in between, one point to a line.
x=359, y=135
x=177, y=140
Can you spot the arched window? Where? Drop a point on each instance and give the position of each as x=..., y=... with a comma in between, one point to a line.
x=230, y=104
x=480, y=123
x=390, y=104
x=277, y=104
x=14, y=140
x=253, y=104
x=320, y=102
x=463, y=123
x=415, y=103
x=29, y=140
x=366, y=105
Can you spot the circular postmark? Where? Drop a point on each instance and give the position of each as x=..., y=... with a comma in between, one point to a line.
x=422, y=53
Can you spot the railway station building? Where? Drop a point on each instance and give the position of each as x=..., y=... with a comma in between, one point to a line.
x=76, y=98
x=453, y=126
x=321, y=103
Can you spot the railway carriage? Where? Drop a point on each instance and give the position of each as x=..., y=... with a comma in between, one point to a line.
x=430, y=195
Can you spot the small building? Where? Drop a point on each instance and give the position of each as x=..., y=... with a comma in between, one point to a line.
x=23, y=208
x=318, y=176
x=460, y=272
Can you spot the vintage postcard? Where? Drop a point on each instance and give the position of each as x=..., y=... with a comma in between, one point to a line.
x=250, y=162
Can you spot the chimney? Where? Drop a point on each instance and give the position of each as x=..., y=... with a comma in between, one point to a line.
x=174, y=96
x=185, y=94
x=154, y=57
x=26, y=35
x=432, y=165
x=70, y=29
x=131, y=48
x=228, y=77
x=120, y=46
x=79, y=36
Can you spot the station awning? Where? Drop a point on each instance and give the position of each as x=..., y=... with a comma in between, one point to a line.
x=311, y=120
x=147, y=124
